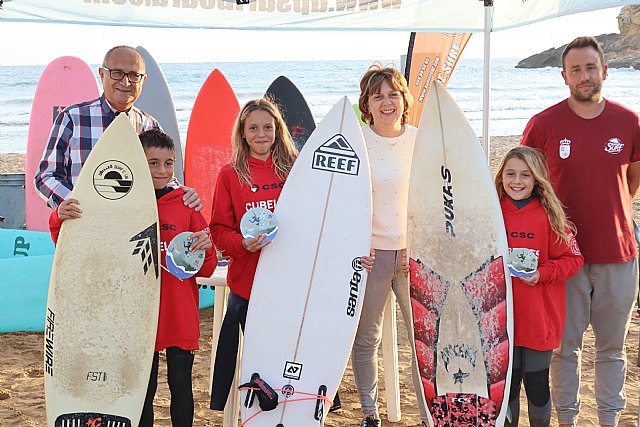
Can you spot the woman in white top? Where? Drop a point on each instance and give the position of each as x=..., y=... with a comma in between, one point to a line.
x=385, y=102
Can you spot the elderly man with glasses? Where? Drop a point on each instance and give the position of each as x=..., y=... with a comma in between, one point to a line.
x=78, y=127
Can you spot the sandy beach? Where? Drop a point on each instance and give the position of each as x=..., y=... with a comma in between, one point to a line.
x=21, y=371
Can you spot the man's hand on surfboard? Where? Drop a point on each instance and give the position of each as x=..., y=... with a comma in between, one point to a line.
x=255, y=244
x=191, y=198
x=367, y=261
x=69, y=209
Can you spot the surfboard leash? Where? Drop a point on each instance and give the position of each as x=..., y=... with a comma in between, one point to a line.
x=310, y=396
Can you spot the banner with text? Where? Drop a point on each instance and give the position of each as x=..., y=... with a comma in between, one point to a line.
x=407, y=15
x=431, y=56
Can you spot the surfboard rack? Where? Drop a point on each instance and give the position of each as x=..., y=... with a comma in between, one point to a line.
x=322, y=394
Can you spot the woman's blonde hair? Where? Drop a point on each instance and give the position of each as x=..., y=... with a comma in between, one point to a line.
x=542, y=189
x=283, y=151
x=370, y=84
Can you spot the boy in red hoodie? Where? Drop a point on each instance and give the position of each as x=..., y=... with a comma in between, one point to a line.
x=178, y=321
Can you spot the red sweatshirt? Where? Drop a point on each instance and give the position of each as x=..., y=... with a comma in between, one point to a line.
x=230, y=202
x=539, y=310
x=178, y=322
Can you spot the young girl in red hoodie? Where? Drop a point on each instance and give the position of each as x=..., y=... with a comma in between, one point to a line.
x=263, y=154
x=535, y=220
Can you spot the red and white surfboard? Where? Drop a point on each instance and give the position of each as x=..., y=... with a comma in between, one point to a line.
x=460, y=286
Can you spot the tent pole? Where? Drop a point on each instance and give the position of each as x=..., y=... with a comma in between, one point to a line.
x=486, y=83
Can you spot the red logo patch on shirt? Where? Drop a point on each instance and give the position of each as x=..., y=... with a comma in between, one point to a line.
x=614, y=146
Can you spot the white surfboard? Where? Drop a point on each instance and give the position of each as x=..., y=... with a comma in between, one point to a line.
x=156, y=100
x=309, y=284
x=460, y=286
x=102, y=310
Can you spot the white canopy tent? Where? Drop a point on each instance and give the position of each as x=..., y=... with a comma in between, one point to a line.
x=361, y=15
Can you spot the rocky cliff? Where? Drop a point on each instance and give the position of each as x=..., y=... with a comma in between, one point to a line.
x=620, y=50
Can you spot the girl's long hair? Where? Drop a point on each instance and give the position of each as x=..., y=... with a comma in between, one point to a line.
x=542, y=189
x=283, y=151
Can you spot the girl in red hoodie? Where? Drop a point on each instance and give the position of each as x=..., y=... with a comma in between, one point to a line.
x=535, y=220
x=263, y=154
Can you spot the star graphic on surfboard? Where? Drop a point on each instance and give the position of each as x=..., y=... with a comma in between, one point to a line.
x=458, y=377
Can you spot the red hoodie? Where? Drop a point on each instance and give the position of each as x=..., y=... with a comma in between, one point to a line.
x=539, y=310
x=230, y=202
x=178, y=322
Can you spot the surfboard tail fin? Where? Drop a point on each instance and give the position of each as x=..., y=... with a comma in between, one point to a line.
x=319, y=412
x=257, y=387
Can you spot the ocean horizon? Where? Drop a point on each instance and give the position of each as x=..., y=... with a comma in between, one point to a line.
x=516, y=94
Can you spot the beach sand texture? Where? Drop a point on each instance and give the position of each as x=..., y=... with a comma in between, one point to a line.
x=22, y=387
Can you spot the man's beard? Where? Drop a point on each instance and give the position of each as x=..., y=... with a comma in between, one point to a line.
x=592, y=96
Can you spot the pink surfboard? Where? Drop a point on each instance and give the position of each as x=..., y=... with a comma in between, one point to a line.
x=65, y=81
x=209, y=137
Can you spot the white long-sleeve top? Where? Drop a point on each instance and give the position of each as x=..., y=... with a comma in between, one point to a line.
x=390, y=162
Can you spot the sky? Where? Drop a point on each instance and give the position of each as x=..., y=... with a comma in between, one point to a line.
x=35, y=44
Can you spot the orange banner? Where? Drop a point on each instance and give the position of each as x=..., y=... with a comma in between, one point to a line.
x=431, y=56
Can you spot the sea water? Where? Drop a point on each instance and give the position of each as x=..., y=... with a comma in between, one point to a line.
x=516, y=94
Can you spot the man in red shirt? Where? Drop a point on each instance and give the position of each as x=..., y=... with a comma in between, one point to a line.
x=592, y=147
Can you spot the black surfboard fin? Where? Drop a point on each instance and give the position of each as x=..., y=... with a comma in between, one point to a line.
x=267, y=397
x=319, y=412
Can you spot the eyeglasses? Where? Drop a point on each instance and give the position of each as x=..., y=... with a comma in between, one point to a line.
x=119, y=75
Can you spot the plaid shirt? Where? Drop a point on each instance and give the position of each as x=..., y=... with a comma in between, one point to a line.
x=75, y=132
